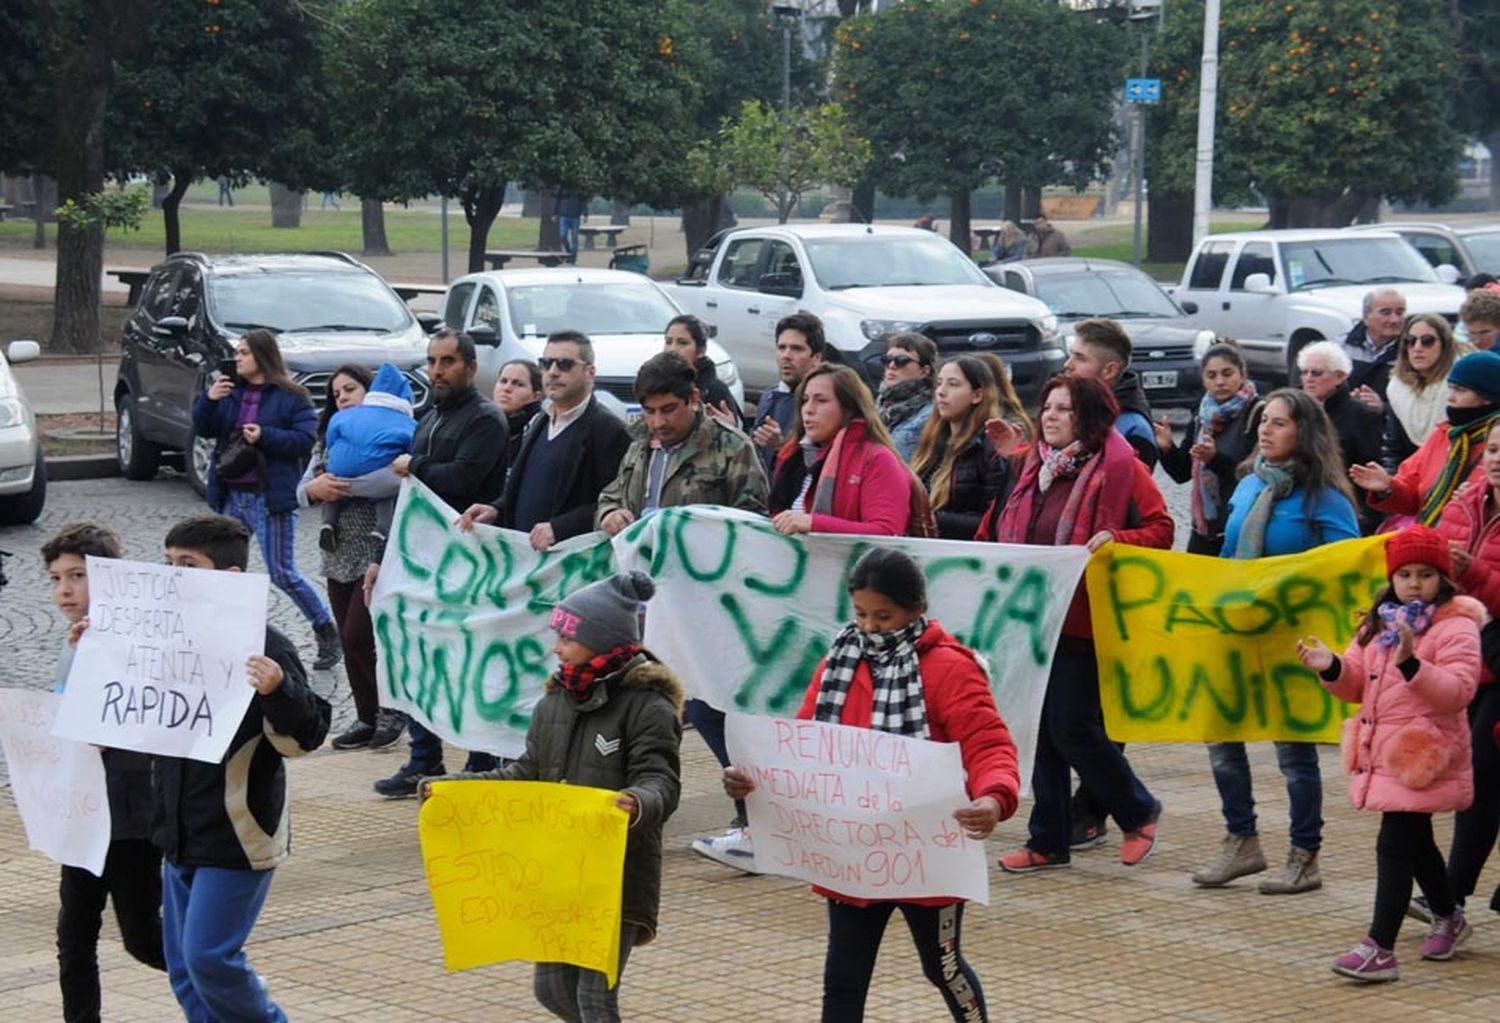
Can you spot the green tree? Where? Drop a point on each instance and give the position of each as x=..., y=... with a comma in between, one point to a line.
x=782, y=154
x=952, y=93
x=1476, y=23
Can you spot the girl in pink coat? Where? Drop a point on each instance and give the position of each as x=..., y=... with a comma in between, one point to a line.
x=1412, y=668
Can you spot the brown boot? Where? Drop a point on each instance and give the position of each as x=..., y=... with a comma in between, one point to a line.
x=1241, y=856
x=1299, y=875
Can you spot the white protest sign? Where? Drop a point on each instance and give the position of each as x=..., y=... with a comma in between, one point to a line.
x=863, y=813
x=460, y=619
x=743, y=614
x=161, y=667
x=58, y=784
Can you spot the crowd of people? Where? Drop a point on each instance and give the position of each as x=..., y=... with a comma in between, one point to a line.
x=1395, y=430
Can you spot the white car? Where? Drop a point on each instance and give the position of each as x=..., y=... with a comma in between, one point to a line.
x=23, y=473
x=509, y=313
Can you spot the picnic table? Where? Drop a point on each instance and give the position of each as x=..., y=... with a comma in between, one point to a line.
x=611, y=235
x=409, y=291
x=497, y=258
x=6, y=209
x=133, y=277
x=986, y=235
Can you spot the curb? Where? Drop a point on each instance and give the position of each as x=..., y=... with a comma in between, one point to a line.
x=68, y=468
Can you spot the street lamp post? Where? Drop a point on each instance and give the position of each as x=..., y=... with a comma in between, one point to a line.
x=1142, y=12
x=786, y=12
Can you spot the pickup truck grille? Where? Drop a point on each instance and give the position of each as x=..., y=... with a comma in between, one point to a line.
x=317, y=389
x=1003, y=338
x=620, y=388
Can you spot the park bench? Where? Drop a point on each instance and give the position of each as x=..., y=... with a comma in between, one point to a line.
x=611, y=235
x=986, y=235
x=132, y=277
x=6, y=209
x=497, y=258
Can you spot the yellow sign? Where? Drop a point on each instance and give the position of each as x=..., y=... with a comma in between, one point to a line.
x=525, y=870
x=1199, y=649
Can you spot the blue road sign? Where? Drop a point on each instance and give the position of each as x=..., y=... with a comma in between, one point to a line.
x=1143, y=90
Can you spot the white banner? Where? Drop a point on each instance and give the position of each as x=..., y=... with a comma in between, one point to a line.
x=58, y=784
x=863, y=813
x=161, y=667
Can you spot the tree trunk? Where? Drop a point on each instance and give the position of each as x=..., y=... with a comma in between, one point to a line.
x=171, y=206
x=960, y=205
x=1169, y=228
x=700, y=221
x=548, y=237
x=1492, y=143
x=862, y=203
x=1012, y=208
x=481, y=207
x=79, y=163
x=286, y=206
x=372, y=226
x=620, y=215
x=1322, y=211
x=43, y=201
x=1031, y=202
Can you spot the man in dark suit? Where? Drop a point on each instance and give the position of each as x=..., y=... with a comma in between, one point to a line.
x=567, y=455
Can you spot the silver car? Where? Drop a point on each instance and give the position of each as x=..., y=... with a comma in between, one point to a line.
x=23, y=473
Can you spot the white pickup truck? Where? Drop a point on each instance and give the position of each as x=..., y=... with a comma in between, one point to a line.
x=1277, y=291
x=863, y=282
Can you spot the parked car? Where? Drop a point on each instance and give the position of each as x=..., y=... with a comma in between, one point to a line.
x=1166, y=341
x=864, y=282
x=1278, y=291
x=1468, y=248
x=327, y=309
x=509, y=314
x=23, y=472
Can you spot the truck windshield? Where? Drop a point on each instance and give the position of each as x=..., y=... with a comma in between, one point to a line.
x=1484, y=250
x=537, y=310
x=1103, y=294
x=875, y=261
x=1353, y=260
x=305, y=301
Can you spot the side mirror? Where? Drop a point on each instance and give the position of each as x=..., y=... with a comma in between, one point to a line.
x=1190, y=308
x=429, y=321
x=1448, y=274
x=484, y=336
x=23, y=351
x=1260, y=284
x=170, y=326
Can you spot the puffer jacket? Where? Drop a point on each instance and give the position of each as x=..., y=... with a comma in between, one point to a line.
x=960, y=708
x=979, y=478
x=1415, y=476
x=1407, y=750
x=634, y=715
x=1472, y=520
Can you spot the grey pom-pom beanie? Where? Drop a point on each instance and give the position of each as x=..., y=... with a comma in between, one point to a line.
x=605, y=614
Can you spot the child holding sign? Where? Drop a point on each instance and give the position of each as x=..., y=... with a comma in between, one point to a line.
x=610, y=719
x=1412, y=667
x=895, y=671
x=132, y=869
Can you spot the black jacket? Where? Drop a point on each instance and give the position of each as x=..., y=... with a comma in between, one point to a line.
x=1232, y=445
x=1395, y=446
x=596, y=443
x=1359, y=430
x=459, y=449
x=236, y=813
x=713, y=391
x=978, y=479
x=1370, y=371
x=515, y=425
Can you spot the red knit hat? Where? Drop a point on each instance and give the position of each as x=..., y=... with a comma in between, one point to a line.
x=1419, y=544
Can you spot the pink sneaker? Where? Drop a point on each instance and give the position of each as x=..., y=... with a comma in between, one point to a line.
x=1029, y=861
x=1448, y=932
x=1367, y=962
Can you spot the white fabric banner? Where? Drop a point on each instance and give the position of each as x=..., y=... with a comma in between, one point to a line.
x=863, y=813
x=161, y=667
x=58, y=784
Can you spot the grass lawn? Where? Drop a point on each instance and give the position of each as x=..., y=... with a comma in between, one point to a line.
x=250, y=230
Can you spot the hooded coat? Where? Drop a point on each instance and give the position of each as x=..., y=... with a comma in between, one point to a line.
x=373, y=434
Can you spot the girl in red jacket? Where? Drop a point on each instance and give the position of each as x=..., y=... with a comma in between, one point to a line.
x=1412, y=668
x=895, y=671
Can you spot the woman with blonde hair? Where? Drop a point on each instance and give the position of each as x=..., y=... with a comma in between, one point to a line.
x=1417, y=395
x=1011, y=245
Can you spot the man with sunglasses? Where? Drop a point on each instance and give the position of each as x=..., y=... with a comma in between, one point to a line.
x=567, y=455
x=1372, y=347
x=1323, y=373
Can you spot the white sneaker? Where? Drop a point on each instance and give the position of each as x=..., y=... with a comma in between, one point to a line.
x=733, y=849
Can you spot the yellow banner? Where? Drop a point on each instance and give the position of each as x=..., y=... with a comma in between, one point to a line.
x=525, y=870
x=1198, y=649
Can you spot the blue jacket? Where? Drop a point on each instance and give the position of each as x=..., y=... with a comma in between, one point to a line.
x=908, y=432
x=370, y=436
x=782, y=407
x=1291, y=530
x=288, y=426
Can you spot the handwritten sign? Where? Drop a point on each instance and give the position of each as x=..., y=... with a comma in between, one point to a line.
x=863, y=813
x=59, y=785
x=1198, y=649
x=161, y=667
x=525, y=870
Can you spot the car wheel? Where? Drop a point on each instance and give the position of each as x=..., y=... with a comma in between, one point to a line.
x=138, y=457
x=25, y=508
x=196, y=460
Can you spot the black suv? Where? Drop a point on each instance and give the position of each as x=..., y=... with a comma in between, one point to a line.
x=326, y=308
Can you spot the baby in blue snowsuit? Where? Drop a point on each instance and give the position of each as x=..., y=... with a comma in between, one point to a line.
x=361, y=444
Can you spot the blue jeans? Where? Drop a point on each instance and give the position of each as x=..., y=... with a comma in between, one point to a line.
x=427, y=751
x=710, y=725
x=278, y=546
x=1304, y=789
x=567, y=233
x=1072, y=735
x=207, y=913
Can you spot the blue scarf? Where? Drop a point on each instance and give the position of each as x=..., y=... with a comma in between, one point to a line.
x=1417, y=614
x=1213, y=419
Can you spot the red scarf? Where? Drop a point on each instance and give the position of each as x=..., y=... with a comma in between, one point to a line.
x=579, y=679
x=1100, y=498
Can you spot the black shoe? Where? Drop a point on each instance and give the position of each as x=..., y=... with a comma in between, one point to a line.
x=330, y=648
x=1087, y=832
x=328, y=537
x=403, y=784
x=356, y=736
x=389, y=725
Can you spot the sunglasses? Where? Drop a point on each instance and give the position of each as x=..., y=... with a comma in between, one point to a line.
x=563, y=365
x=1421, y=340
x=899, y=361
x=1314, y=373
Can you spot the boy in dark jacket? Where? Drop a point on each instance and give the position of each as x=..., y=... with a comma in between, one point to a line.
x=610, y=719
x=223, y=828
x=132, y=868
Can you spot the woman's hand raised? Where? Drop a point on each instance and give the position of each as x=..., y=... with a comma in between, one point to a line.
x=1371, y=476
x=1004, y=435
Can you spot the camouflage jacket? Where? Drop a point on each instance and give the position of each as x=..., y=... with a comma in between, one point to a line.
x=717, y=464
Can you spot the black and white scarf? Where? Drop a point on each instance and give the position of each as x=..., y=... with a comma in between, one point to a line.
x=899, y=705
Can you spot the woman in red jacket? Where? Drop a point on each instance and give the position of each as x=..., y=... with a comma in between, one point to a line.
x=1471, y=525
x=893, y=670
x=1080, y=484
x=839, y=472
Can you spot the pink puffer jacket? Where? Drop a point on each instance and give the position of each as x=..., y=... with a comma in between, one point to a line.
x=1408, y=747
